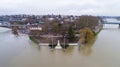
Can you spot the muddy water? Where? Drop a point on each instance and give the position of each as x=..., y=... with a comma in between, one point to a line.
x=19, y=51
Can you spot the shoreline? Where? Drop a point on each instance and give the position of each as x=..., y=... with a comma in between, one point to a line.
x=47, y=44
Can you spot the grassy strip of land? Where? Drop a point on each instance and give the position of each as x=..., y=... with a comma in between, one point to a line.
x=33, y=39
x=100, y=28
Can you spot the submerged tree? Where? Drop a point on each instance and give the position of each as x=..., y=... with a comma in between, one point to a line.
x=14, y=30
x=86, y=35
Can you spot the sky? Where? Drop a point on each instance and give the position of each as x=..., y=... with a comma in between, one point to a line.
x=63, y=7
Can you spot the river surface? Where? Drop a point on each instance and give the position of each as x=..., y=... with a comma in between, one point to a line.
x=19, y=51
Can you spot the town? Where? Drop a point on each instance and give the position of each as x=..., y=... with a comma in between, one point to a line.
x=51, y=28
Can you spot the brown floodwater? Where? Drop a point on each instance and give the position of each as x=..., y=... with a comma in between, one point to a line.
x=19, y=51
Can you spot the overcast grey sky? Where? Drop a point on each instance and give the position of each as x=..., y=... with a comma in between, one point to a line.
x=64, y=7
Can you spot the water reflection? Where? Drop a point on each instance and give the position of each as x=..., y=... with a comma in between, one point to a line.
x=68, y=50
x=34, y=45
x=86, y=49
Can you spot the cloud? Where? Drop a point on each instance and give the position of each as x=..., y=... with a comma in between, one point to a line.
x=75, y=7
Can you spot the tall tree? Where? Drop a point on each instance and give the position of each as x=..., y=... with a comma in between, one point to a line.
x=86, y=35
x=70, y=34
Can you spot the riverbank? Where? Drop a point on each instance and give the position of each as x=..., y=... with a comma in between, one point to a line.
x=47, y=44
x=98, y=30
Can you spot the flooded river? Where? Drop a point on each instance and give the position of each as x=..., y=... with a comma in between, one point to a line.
x=19, y=51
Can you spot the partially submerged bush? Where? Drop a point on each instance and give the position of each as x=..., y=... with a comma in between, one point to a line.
x=33, y=39
x=86, y=35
